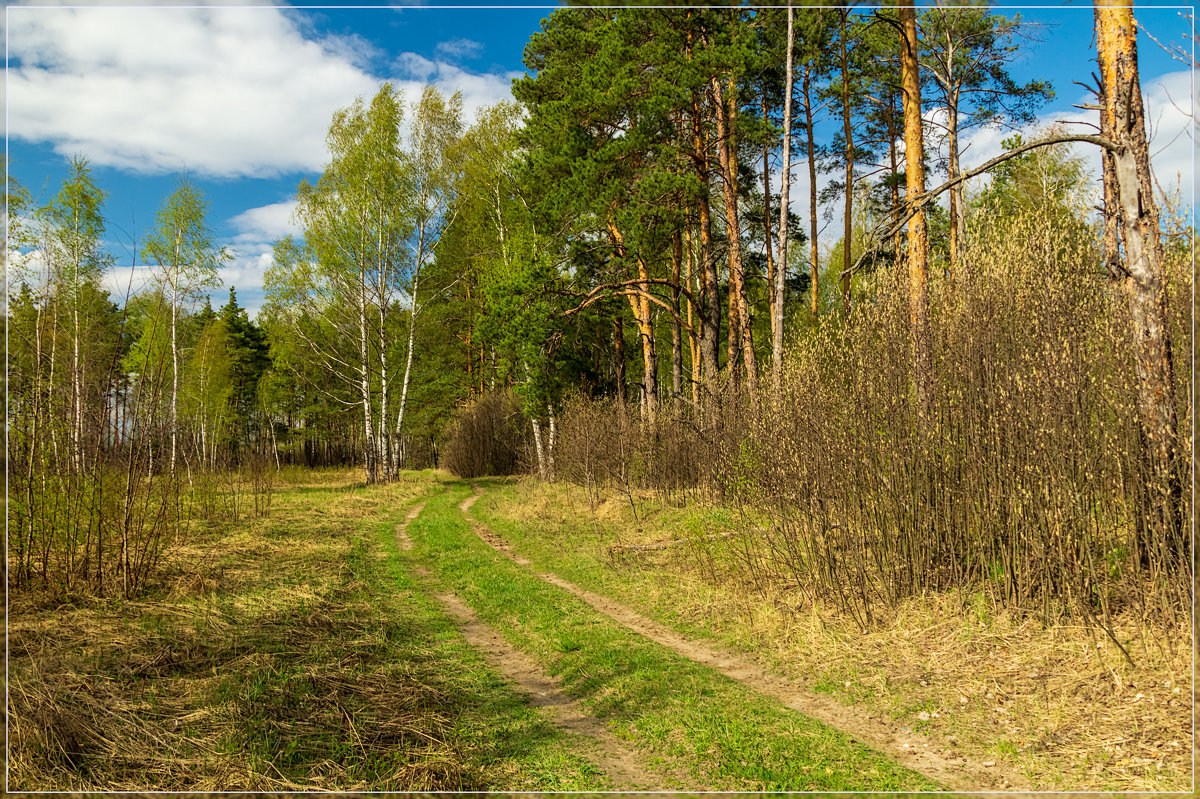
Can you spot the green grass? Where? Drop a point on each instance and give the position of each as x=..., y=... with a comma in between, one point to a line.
x=727, y=736
x=585, y=562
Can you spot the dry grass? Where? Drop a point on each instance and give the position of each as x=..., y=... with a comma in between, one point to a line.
x=260, y=662
x=1059, y=703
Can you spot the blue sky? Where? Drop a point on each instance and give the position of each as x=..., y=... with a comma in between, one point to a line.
x=240, y=98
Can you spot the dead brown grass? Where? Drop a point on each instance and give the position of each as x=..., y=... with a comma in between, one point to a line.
x=256, y=664
x=1058, y=704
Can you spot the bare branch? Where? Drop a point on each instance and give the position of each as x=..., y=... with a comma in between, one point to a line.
x=911, y=207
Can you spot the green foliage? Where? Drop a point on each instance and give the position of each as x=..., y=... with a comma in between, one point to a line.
x=967, y=51
x=75, y=218
x=181, y=245
x=1048, y=183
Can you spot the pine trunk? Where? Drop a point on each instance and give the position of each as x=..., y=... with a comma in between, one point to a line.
x=1144, y=282
x=848, y=132
x=915, y=185
x=710, y=310
x=676, y=327
x=726, y=117
x=619, y=351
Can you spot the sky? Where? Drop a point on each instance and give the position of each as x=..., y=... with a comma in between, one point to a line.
x=239, y=98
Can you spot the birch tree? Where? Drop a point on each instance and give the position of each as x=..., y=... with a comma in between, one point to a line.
x=436, y=131
x=78, y=228
x=784, y=205
x=181, y=248
x=340, y=283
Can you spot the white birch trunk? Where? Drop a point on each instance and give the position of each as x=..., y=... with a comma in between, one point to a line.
x=408, y=359
x=370, y=465
x=550, y=445
x=538, y=448
x=781, y=266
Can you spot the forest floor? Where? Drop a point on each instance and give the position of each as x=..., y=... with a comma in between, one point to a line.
x=509, y=636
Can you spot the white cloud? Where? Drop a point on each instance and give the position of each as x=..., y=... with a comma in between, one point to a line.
x=224, y=92
x=127, y=281
x=459, y=48
x=1171, y=104
x=245, y=273
x=415, y=67
x=257, y=229
x=478, y=90
x=266, y=223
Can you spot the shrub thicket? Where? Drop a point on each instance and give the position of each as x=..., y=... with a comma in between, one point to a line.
x=1023, y=476
x=489, y=437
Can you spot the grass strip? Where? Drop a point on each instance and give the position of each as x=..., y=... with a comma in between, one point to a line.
x=727, y=736
x=584, y=562
x=497, y=735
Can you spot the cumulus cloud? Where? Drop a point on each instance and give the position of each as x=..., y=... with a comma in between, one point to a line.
x=256, y=231
x=224, y=92
x=266, y=223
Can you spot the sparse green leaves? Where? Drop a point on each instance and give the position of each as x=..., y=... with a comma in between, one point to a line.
x=181, y=243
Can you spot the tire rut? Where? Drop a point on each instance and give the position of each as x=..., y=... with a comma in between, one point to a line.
x=911, y=750
x=619, y=762
x=402, y=540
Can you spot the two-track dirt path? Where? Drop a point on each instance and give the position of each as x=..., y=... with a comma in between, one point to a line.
x=624, y=766
x=911, y=750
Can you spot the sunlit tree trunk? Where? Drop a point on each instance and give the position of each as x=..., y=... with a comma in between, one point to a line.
x=175, y=354
x=550, y=443
x=814, y=253
x=767, y=220
x=538, y=448
x=726, y=117
x=710, y=310
x=894, y=163
x=915, y=185
x=1144, y=282
x=644, y=319
x=958, y=211
x=676, y=328
x=619, y=350
x=692, y=316
x=848, y=132
x=370, y=465
x=408, y=362
x=384, y=268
